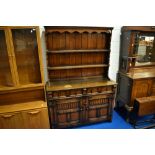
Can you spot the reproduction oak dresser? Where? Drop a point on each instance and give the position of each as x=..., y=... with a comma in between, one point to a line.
x=78, y=91
x=22, y=95
x=136, y=76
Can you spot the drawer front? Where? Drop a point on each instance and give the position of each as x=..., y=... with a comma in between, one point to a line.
x=11, y=121
x=99, y=89
x=64, y=93
x=31, y=119
x=65, y=112
x=77, y=92
x=36, y=119
x=100, y=107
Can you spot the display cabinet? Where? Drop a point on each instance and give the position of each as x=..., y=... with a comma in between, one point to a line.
x=136, y=76
x=21, y=71
x=78, y=91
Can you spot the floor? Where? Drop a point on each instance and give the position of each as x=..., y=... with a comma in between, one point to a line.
x=117, y=123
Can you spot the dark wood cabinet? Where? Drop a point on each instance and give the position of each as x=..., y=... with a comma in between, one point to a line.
x=136, y=76
x=76, y=108
x=79, y=90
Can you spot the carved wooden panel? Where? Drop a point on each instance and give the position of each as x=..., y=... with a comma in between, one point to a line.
x=100, y=108
x=141, y=88
x=70, y=111
x=65, y=112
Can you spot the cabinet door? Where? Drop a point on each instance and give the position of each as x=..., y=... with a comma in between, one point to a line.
x=26, y=53
x=36, y=119
x=141, y=88
x=11, y=121
x=100, y=107
x=5, y=71
x=124, y=88
x=65, y=112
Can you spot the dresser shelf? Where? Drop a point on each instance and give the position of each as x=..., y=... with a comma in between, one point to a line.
x=79, y=51
x=77, y=66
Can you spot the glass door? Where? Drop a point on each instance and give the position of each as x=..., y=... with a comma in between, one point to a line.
x=26, y=54
x=5, y=71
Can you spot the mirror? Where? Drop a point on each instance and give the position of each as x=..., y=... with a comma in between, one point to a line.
x=144, y=49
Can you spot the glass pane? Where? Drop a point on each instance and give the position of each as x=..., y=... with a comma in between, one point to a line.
x=145, y=49
x=26, y=52
x=5, y=72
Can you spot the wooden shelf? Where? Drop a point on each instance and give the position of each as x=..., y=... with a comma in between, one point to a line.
x=77, y=66
x=4, y=90
x=79, y=50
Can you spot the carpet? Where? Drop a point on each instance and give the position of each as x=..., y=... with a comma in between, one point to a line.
x=117, y=123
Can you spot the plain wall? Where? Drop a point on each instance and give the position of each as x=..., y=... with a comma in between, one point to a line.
x=114, y=55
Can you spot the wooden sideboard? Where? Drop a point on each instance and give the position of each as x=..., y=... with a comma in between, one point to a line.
x=78, y=91
x=136, y=75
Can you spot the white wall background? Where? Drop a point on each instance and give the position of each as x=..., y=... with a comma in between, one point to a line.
x=114, y=55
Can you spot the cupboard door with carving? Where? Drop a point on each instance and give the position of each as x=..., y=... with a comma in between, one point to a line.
x=11, y=121
x=65, y=112
x=141, y=88
x=100, y=107
x=36, y=119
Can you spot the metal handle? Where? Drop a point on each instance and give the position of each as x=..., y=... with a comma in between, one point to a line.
x=33, y=112
x=7, y=116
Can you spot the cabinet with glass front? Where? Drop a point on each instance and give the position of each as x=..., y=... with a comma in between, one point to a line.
x=20, y=59
x=21, y=76
x=136, y=75
x=137, y=47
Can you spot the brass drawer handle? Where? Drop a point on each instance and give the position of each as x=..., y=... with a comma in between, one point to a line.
x=7, y=116
x=33, y=112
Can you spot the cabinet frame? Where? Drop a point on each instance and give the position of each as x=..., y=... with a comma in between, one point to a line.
x=12, y=58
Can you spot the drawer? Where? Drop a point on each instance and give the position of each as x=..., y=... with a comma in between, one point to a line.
x=11, y=121
x=76, y=92
x=99, y=89
x=29, y=119
x=64, y=93
x=36, y=119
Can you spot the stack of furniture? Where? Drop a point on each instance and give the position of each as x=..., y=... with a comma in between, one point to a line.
x=78, y=91
x=136, y=76
x=22, y=95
